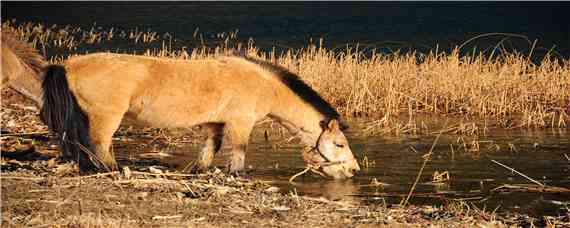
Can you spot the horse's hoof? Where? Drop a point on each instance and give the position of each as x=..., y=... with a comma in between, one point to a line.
x=240, y=174
x=194, y=170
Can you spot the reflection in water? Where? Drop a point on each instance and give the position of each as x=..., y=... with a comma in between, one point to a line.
x=536, y=153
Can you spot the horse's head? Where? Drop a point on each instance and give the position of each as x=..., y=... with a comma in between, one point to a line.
x=332, y=154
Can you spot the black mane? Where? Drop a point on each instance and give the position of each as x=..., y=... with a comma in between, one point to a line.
x=299, y=87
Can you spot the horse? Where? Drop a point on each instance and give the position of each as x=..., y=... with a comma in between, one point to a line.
x=86, y=98
x=22, y=67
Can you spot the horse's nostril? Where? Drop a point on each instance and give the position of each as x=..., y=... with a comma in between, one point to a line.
x=353, y=170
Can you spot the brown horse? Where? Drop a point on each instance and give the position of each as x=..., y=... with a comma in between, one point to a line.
x=86, y=98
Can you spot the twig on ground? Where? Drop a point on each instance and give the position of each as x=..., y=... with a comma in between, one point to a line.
x=166, y=217
x=97, y=175
x=167, y=174
x=291, y=180
x=22, y=178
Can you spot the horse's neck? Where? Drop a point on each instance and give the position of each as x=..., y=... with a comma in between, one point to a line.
x=299, y=118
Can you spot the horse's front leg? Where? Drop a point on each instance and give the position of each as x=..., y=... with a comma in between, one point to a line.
x=238, y=132
x=215, y=133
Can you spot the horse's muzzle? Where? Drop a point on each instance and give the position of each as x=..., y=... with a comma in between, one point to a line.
x=343, y=170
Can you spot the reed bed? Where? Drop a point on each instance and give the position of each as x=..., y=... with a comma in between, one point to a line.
x=510, y=89
x=507, y=90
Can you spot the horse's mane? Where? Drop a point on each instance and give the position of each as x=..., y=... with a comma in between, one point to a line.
x=299, y=87
x=28, y=54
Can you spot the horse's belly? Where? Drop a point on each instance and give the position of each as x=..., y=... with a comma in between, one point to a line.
x=182, y=114
x=160, y=119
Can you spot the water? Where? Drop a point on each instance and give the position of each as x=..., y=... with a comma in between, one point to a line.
x=536, y=153
x=380, y=25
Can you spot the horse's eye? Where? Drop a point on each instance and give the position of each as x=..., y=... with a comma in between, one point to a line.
x=339, y=145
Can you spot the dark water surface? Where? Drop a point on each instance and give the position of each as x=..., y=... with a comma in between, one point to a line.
x=540, y=154
x=382, y=25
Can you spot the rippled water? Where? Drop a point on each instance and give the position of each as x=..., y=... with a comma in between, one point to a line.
x=396, y=160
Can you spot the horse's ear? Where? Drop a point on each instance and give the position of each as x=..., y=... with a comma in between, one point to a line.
x=333, y=125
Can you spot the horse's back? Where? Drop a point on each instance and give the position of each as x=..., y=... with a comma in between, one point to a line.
x=103, y=81
x=213, y=90
x=170, y=93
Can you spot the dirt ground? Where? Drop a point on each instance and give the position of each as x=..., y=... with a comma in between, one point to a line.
x=37, y=191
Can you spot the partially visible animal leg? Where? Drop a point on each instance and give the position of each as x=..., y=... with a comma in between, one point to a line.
x=238, y=133
x=102, y=128
x=213, y=144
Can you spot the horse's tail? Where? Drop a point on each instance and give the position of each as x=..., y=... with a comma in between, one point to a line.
x=63, y=115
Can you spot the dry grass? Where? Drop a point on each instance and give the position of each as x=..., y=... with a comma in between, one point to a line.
x=442, y=84
x=507, y=91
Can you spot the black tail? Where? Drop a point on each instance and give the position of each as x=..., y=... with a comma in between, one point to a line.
x=62, y=114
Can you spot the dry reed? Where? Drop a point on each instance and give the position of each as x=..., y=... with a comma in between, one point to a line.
x=508, y=90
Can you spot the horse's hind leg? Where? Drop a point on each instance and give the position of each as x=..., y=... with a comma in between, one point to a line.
x=238, y=132
x=102, y=128
x=215, y=133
